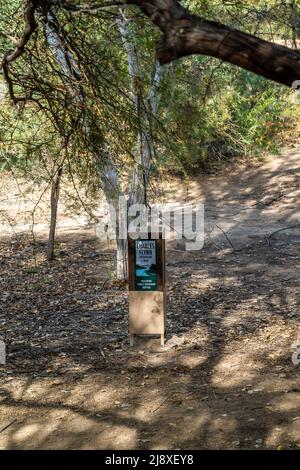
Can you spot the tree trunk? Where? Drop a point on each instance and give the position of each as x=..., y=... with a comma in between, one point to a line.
x=55, y=187
x=105, y=167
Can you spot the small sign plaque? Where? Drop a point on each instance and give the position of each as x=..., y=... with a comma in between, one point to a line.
x=145, y=265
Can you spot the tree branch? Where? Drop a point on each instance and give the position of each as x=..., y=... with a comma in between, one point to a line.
x=185, y=34
x=30, y=27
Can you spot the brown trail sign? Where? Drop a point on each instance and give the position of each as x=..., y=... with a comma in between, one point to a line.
x=147, y=298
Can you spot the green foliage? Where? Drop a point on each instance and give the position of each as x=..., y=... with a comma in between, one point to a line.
x=217, y=112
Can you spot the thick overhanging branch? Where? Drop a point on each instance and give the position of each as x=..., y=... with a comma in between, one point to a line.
x=185, y=34
x=30, y=7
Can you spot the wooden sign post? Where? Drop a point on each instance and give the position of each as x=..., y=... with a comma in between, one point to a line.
x=147, y=298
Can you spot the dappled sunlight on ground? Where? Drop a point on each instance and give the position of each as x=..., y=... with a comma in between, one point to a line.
x=225, y=378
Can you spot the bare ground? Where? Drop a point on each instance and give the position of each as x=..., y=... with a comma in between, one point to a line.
x=225, y=379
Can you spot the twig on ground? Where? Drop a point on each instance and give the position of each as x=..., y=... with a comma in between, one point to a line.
x=105, y=282
x=282, y=230
x=165, y=401
x=168, y=398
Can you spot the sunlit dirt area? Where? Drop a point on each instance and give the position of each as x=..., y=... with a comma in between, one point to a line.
x=225, y=378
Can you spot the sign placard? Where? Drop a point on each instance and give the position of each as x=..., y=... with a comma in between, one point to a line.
x=145, y=265
x=147, y=286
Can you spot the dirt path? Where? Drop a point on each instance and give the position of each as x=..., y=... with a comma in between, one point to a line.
x=225, y=378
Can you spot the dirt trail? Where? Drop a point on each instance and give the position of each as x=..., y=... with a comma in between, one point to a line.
x=225, y=378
